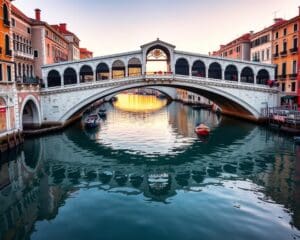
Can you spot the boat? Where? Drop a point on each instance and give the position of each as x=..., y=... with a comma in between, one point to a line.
x=202, y=130
x=297, y=139
x=92, y=121
x=102, y=113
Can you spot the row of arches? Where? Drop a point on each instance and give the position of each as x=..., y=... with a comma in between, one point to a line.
x=134, y=68
x=103, y=72
x=215, y=72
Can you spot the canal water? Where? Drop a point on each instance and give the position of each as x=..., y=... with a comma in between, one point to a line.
x=144, y=174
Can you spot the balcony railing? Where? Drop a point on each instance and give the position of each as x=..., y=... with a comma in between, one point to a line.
x=293, y=76
x=27, y=80
x=276, y=55
x=294, y=50
x=281, y=77
x=283, y=53
x=24, y=55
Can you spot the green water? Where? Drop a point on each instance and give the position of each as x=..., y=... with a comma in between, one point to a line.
x=148, y=176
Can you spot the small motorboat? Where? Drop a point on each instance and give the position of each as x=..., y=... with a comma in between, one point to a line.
x=297, y=140
x=102, y=113
x=92, y=121
x=202, y=130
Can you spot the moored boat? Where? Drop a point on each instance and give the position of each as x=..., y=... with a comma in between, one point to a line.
x=102, y=113
x=92, y=121
x=202, y=130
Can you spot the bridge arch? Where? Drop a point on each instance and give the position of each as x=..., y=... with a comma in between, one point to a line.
x=54, y=79
x=118, y=69
x=102, y=71
x=262, y=77
x=70, y=76
x=229, y=103
x=86, y=74
x=30, y=114
x=182, y=67
x=215, y=71
x=231, y=73
x=247, y=75
x=134, y=66
x=198, y=69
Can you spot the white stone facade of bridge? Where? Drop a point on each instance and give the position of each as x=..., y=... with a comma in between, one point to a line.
x=61, y=101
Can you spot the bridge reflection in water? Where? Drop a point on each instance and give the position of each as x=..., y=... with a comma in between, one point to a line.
x=241, y=167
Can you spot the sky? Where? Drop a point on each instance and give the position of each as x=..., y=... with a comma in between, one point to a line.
x=200, y=26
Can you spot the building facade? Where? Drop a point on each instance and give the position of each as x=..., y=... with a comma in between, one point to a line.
x=8, y=98
x=22, y=46
x=286, y=57
x=238, y=48
x=262, y=43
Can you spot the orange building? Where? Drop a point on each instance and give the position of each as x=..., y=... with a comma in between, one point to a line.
x=286, y=57
x=84, y=53
x=238, y=48
x=7, y=83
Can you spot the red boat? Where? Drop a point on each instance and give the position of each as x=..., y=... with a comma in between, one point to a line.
x=202, y=130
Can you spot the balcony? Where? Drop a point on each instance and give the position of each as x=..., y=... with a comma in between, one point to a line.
x=294, y=50
x=282, y=77
x=293, y=76
x=276, y=55
x=24, y=55
x=283, y=53
x=6, y=22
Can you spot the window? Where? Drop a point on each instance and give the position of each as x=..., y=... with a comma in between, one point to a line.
x=283, y=87
x=284, y=46
x=7, y=50
x=268, y=54
x=276, y=49
x=294, y=67
x=13, y=22
x=276, y=35
x=9, y=73
x=238, y=49
x=283, y=71
x=28, y=30
x=5, y=15
x=295, y=27
x=230, y=52
x=295, y=43
x=1, y=77
x=48, y=50
x=36, y=53
x=284, y=32
x=263, y=55
x=293, y=86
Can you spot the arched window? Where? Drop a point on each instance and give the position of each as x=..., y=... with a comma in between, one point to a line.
x=54, y=78
x=262, y=77
x=118, y=69
x=134, y=67
x=5, y=15
x=86, y=74
x=247, y=75
x=102, y=72
x=70, y=76
x=158, y=60
x=215, y=71
x=231, y=73
x=182, y=67
x=198, y=69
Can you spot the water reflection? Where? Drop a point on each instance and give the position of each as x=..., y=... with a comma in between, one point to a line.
x=244, y=178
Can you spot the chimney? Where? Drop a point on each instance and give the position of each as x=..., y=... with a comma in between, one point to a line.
x=299, y=10
x=63, y=27
x=277, y=20
x=38, y=14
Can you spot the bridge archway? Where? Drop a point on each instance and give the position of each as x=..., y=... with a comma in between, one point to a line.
x=199, y=69
x=102, y=72
x=230, y=104
x=262, y=77
x=30, y=113
x=158, y=59
x=70, y=76
x=54, y=79
x=182, y=67
x=231, y=73
x=134, y=67
x=118, y=69
x=247, y=75
x=215, y=71
x=86, y=74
